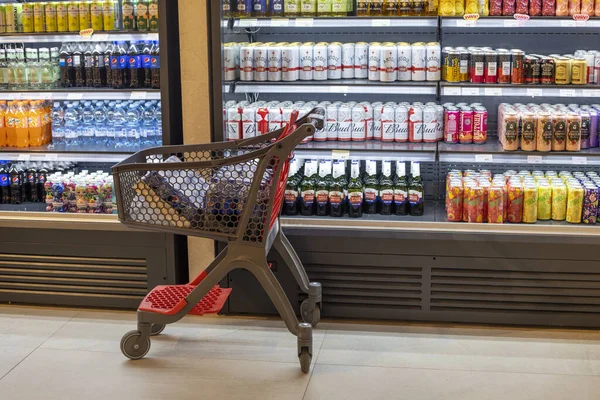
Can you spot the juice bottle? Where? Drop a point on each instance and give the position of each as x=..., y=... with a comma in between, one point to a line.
x=34, y=122
x=3, y=138
x=11, y=133
x=21, y=126
x=47, y=122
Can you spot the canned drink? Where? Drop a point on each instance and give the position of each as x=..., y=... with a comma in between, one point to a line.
x=562, y=71
x=334, y=61
x=434, y=70
x=401, y=124
x=50, y=17
x=361, y=60
x=62, y=17
x=594, y=127
x=369, y=119
x=262, y=121
x=274, y=64
x=573, y=142
x=517, y=73
x=374, y=60
x=490, y=73
x=377, y=112
x=388, y=69
x=331, y=122
x=320, y=60
x=2, y=18
x=85, y=18
x=404, y=62
x=477, y=67
x=348, y=64
x=290, y=63
x=248, y=121
x=418, y=63
x=387, y=125
x=547, y=71
x=306, y=62
x=345, y=122
x=579, y=71
x=445, y=51
x=480, y=116
x=27, y=18
x=430, y=123
x=543, y=131
x=585, y=129
x=465, y=125
x=536, y=68
x=233, y=123
x=247, y=63
x=528, y=69
x=559, y=131
x=440, y=123
x=597, y=66
x=453, y=66
x=359, y=123
x=97, y=20
x=528, y=139
x=465, y=58
x=73, y=15
x=14, y=17
x=451, y=120
x=504, y=66
x=260, y=63
x=109, y=14
x=229, y=67
x=415, y=124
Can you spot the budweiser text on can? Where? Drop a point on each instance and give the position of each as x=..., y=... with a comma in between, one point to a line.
x=369, y=118
x=415, y=124
x=465, y=125
x=247, y=63
x=418, y=63
x=233, y=123
x=388, y=69
x=348, y=64
x=262, y=120
x=306, y=62
x=440, y=122
x=361, y=60
x=480, y=116
x=334, y=61
x=229, y=69
x=430, y=124
x=274, y=72
x=404, y=61
x=388, y=123
x=490, y=73
x=401, y=124
x=477, y=67
x=303, y=110
x=320, y=66
x=290, y=63
x=275, y=117
x=260, y=63
x=434, y=70
x=248, y=121
x=359, y=123
x=374, y=57
x=377, y=111
x=451, y=118
x=331, y=123
x=345, y=122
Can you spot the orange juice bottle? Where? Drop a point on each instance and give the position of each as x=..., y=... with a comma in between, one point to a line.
x=21, y=126
x=34, y=122
x=11, y=133
x=47, y=122
x=3, y=138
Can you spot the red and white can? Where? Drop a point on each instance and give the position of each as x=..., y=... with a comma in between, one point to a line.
x=331, y=122
x=348, y=64
x=590, y=58
x=306, y=61
x=334, y=60
x=377, y=111
x=262, y=121
x=369, y=119
x=374, y=59
x=361, y=60
x=440, y=122
x=290, y=62
x=320, y=59
x=465, y=125
x=261, y=63
x=388, y=68
x=229, y=60
x=418, y=61
x=415, y=124
x=490, y=73
x=247, y=63
x=401, y=124
x=233, y=123
x=388, y=123
x=275, y=117
x=430, y=123
x=248, y=121
x=274, y=72
x=345, y=122
x=359, y=123
x=433, y=61
x=404, y=61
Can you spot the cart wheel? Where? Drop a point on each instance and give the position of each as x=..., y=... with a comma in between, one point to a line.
x=157, y=329
x=305, y=359
x=313, y=316
x=133, y=346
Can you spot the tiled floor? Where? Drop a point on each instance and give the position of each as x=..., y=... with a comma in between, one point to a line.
x=74, y=354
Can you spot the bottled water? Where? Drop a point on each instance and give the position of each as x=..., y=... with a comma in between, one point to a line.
x=58, y=125
x=158, y=118
x=133, y=126
x=88, y=125
x=110, y=122
x=119, y=128
x=148, y=131
x=100, y=124
x=72, y=126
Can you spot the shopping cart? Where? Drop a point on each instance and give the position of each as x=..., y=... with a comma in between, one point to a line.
x=230, y=192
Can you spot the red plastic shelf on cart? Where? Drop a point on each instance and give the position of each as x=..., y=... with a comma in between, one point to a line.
x=169, y=300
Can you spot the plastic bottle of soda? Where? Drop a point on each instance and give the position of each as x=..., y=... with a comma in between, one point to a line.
x=136, y=77
x=11, y=132
x=108, y=49
x=16, y=189
x=147, y=64
x=32, y=187
x=117, y=77
x=99, y=68
x=4, y=184
x=42, y=177
x=78, y=67
x=34, y=123
x=88, y=60
x=65, y=60
x=21, y=125
x=3, y=138
x=155, y=59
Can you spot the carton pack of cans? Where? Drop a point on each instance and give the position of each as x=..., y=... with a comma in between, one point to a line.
x=465, y=123
x=547, y=8
x=546, y=127
x=351, y=121
x=524, y=196
x=289, y=62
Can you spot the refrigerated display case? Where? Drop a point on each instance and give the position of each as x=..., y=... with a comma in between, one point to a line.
x=427, y=267
x=110, y=88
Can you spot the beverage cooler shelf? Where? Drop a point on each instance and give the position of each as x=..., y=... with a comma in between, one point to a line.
x=512, y=23
x=76, y=37
x=45, y=154
x=371, y=150
x=81, y=94
x=506, y=90
x=342, y=86
x=358, y=22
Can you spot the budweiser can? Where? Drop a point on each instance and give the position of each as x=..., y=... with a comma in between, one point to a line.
x=374, y=58
x=348, y=54
x=415, y=124
x=388, y=69
x=480, y=116
x=302, y=111
x=377, y=111
x=320, y=57
x=451, y=118
x=290, y=63
x=306, y=61
x=274, y=61
x=359, y=123
x=262, y=120
x=404, y=62
x=233, y=123
x=345, y=122
x=369, y=120
x=418, y=63
x=590, y=58
x=430, y=124
x=247, y=63
x=260, y=63
x=229, y=67
x=331, y=122
x=275, y=117
x=334, y=61
x=465, y=125
x=388, y=123
x=248, y=121
x=401, y=124
x=361, y=60
x=434, y=66
x=440, y=122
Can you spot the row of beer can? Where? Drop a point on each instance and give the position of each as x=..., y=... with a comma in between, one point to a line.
x=465, y=123
x=288, y=62
x=352, y=121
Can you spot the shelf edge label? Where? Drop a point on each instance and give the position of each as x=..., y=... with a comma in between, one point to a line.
x=534, y=92
x=468, y=91
x=534, y=159
x=381, y=22
x=305, y=22
x=484, y=158
x=24, y=157
x=340, y=154
x=579, y=160
x=451, y=91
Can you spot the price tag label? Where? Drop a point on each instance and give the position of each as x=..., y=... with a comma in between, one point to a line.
x=484, y=158
x=467, y=91
x=340, y=154
x=40, y=96
x=381, y=22
x=103, y=37
x=513, y=23
x=51, y=157
x=338, y=89
x=590, y=93
x=14, y=96
x=534, y=92
x=465, y=23
x=492, y=91
x=74, y=96
x=248, y=22
x=534, y=159
x=567, y=92
x=24, y=157
x=138, y=95
x=451, y=91
x=280, y=22
x=567, y=23
x=304, y=22
x=579, y=160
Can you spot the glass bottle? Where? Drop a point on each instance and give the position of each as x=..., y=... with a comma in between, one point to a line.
x=386, y=188
x=11, y=65
x=20, y=70
x=3, y=69
x=400, y=190
x=34, y=70
x=55, y=63
x=46, y=69
x=371, y=188
x=376, y=8
x=322, y=188
x=355, y=191
x=337, y=189
x=290, y=203
x=307, y=188
x=416, y=191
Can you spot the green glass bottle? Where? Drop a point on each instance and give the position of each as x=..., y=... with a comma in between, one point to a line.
x=416, y=192
x=400, y=190
x=371, y=188
x=355, y=191
x=307, y=188
x=337, y=189
x=386, y=188
x=322, y=188
x=290, y=204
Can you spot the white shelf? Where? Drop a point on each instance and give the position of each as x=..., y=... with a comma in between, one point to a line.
x=78, y=94
x=357, y=22
x=473, y=90
x=76, y=37
x=62, y=156
x=511, y=23
x=367, y=150
x=339, y=87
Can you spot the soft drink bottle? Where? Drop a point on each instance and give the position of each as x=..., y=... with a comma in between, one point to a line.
x=35, y=127
x=58, y=125
x=3, y=138
x=89, y=62
x=99, y=68
x=108, y=49
x=32, y=187
x=65, y=60
x=78, y=66
x=147, y=64
x=136, y=77
x=88, y=124
x=21, y=125
x=133, y=126
x=16, y=190
x=4, y=184
x=11, y=132
x=119, y=127
x=42, y=177
x=155, y=59
x=116, y=77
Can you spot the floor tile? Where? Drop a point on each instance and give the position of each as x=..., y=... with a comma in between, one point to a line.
x=334, y=382
x=101, y=376
x=10, y=357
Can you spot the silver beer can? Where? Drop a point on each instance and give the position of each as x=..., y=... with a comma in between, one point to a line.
x=248, y=121
x=374, y=59
x=418, y=61
x=369, y=119
x=290, y=62
x=345, y=122
x=359, y=123
x=274, y=61
x=331, y=122
x=377, y=110
x=275, y=117
x=229, y=68
x=439, y=130
x=320, y=56
x=404, y=61
x=334, y=60
x=388, y=123
x=361, y=60
x=262, y=120
x=307, y=66
x=233, y=122
x=388, y=68
x=247, y=63
x=401, y=124
x=433, y=61
x=348, y=60
x=261, y=65
x=430, y=124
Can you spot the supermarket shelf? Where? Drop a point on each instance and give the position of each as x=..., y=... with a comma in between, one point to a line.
x=355, y=22
x=75, y=37
x=45, y=153
x=53, y=220
x=492, y=152
x=370, y=149
x=27, y=207
x=82, y=94
x=511, y=23
x=343, y=86
x=477, y=90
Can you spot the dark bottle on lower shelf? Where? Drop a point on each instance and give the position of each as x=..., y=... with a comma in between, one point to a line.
x=400, y=190
x=337, y=197
x=355, y=191
x=31, y=191
x=307, y=188
x=322, y=188
x=4, y=185
x=371, y=188
x=386, y=189
x=416, y=194
x=15, y=186
x=290, y=201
